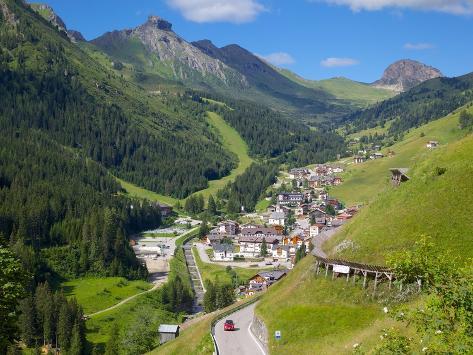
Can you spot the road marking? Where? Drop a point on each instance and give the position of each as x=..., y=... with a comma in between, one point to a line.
x=255, y=339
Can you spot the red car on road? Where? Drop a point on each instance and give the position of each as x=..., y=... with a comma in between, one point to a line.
x=229, y=325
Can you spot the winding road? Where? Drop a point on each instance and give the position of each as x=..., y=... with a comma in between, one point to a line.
x=241, y=341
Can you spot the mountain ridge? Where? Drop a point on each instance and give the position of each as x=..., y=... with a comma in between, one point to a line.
x=404, y=74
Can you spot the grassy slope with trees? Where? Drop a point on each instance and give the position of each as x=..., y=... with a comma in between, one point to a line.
x=325, y=316
x=359, y=94
x=363, y=182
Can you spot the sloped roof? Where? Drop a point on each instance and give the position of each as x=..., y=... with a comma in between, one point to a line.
x=168, y=328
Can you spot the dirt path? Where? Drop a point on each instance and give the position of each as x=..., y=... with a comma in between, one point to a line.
x=126, y=300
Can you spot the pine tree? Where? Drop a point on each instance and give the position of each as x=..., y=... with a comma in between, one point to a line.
x=77, y=342
x=113, y=343
x=26, y=320
x=64, y=326
x=212, y=206
x=264, y=248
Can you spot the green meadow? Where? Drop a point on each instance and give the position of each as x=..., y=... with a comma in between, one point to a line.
x=97, y=293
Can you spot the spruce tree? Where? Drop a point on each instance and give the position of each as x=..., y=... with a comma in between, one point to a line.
x=212, y=206
x=26, y=321
x=113, y=344
x=77, y=342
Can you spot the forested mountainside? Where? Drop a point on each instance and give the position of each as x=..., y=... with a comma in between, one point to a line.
x=270, y=134
x=51, y=85
x=428, y=101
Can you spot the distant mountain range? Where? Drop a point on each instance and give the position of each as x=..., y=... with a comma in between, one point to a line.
x=155, y=56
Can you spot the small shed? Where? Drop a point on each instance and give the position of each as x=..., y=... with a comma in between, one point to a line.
x=167, y=332
x=399, y=175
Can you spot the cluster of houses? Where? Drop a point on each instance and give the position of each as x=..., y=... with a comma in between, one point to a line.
x=320, y=176
x=231, y=241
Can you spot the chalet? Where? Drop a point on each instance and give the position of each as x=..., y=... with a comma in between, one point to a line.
x=358, y=159
x=277, y=219
x=315, y=181
x=250, y=246
x=316, y=229
x=258, y=232
x=337, y=180
x=167, y=332
x=271, y=209
x=432, y=144
x=298, y=173
x=228, y=227
x=249, y=226
x=377, y=155
x=281, y=252
x=290, y=198
x=301, y=210
x=267, y=278
x=399, y=175
x=295, y=240
x=279, y=230
x=223, y=252
x=323, y=196
x=337, y=170
x=216, y=238
x=319, y=216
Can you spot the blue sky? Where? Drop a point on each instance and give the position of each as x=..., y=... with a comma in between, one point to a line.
x=317, y=39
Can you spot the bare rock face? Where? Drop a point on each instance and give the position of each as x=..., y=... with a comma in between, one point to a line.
x=183, y=58
x=405, y=74
x=48, y=13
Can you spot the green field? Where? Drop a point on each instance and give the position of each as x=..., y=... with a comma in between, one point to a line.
x=360, y=94
x=320, y=316
x=97, y=293
x=213, y=272
x=432, y=203
x=363, y=182
x=262, y=205
x=141, y=193
x=232, y=142
x=99, y=327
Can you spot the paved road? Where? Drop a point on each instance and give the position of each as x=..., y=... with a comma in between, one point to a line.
x=241, y=341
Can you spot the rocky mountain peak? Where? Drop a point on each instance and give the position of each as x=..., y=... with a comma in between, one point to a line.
x=405, y=74
x=159, y=23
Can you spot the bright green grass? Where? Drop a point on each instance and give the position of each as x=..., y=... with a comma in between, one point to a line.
x=97, y=293
x=370, y=131
x=358, y=93
x=141, y=193
x=320, y=316
x=99, y=327
x=232, y=142
x=429, y=204
x=262, y=205
x=213, y=272
x=363, y=182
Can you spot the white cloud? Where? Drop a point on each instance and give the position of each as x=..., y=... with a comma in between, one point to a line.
x=418, y=46
x=457, y=7
x=236, y=11
x=338, y=62
x=279, y=58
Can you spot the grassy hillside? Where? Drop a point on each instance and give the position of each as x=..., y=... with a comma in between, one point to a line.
x=97, y=293
x=360, y=94
x=232, y=142
x=434, y=203
x=320, y=316
x=316, y=315
x=363, y=182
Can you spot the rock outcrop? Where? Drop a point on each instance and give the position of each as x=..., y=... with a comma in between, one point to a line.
x=405, y=74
